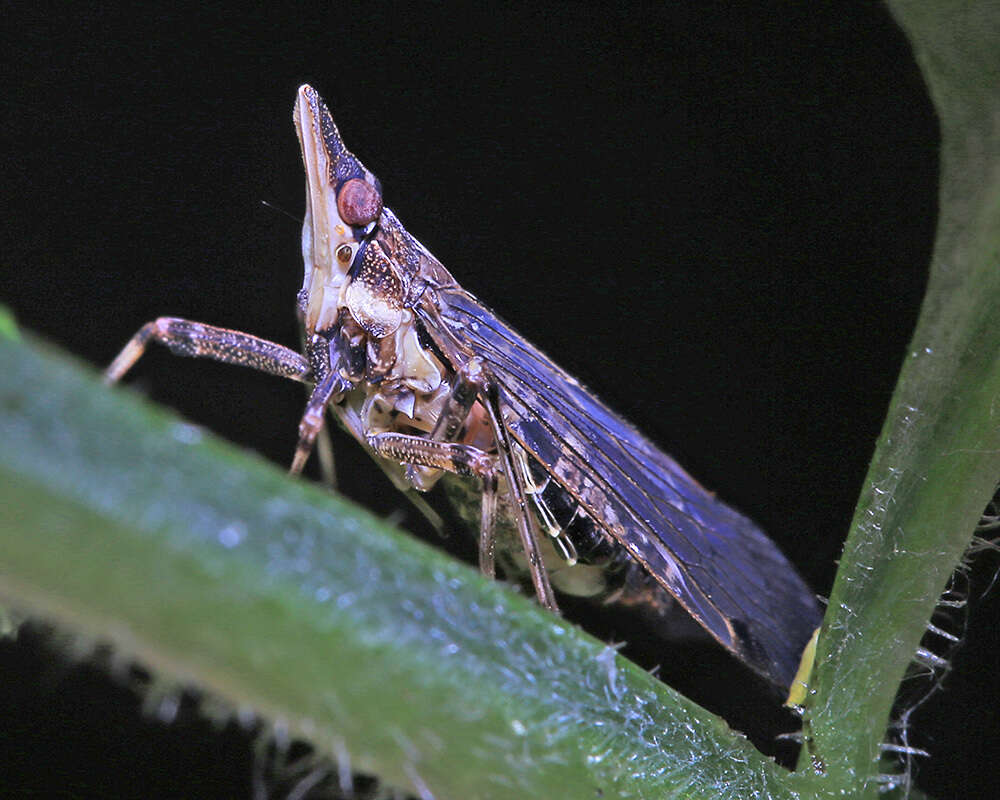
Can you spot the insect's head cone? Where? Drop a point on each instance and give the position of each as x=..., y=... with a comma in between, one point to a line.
x=343, y=204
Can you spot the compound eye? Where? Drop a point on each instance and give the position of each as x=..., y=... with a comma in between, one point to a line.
x=359, y=203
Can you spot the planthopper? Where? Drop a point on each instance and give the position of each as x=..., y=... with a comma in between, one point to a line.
x=433, y=384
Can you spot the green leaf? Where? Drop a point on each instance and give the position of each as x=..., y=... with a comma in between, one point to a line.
x=938, y=457
x=212, y=566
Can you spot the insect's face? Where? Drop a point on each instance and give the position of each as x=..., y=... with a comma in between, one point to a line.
x=343, y=205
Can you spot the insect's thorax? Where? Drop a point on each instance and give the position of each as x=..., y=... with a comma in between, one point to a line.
x=401, y=385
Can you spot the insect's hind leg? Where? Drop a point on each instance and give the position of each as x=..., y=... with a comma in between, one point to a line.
x=529, y=540
x=195, y=339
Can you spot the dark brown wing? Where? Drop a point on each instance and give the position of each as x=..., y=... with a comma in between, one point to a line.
x=717, y=563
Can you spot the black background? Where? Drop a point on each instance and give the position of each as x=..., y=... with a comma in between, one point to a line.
x=718, y=216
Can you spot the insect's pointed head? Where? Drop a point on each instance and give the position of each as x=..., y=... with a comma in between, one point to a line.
x=343, y=205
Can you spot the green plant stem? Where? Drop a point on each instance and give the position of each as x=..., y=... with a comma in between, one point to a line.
x=938, y=456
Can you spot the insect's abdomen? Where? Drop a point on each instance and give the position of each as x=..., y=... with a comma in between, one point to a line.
x=598, y=567
x=582, y=559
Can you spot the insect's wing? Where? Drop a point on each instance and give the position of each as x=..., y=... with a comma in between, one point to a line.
x=717, y=563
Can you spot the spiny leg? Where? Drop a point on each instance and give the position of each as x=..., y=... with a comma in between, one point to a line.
x=195, y=339
x=461, y=459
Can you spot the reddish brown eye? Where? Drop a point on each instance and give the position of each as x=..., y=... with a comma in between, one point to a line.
x=344, y=254
x=358, y=202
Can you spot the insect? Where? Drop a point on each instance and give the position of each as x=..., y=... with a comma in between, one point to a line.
x=432, y=383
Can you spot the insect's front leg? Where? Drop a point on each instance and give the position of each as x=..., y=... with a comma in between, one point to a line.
x=314, y=417
x=195, y=339
x=329, y=384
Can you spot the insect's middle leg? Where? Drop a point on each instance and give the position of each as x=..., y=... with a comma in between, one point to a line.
x=461, y=459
